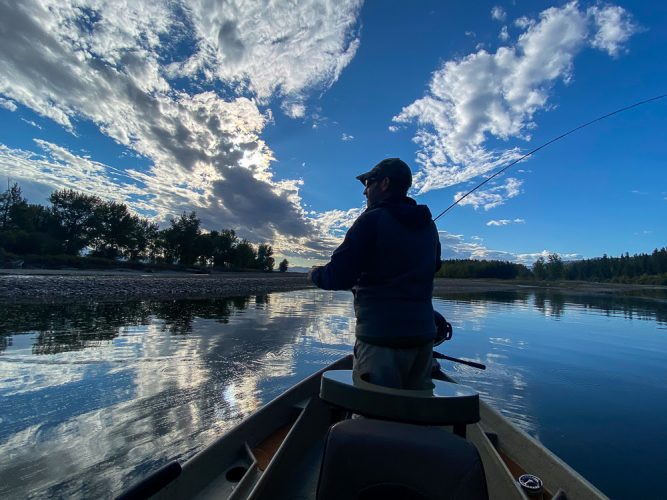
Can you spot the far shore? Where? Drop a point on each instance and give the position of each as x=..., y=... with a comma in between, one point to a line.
x=41, y=285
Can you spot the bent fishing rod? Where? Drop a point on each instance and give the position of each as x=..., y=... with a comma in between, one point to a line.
x=530, y=153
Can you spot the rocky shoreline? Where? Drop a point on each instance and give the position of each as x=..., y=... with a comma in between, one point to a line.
x=75, y=285
x=56, y=286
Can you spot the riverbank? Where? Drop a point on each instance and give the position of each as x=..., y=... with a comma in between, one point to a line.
x=28, y=285
x=76, y=285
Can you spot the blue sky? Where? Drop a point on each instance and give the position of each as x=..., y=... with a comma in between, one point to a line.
x=259, y=115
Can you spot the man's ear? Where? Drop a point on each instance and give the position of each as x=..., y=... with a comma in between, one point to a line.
x=384, y=184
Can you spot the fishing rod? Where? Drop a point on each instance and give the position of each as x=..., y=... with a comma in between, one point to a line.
x=438, y=355
x=530, y=153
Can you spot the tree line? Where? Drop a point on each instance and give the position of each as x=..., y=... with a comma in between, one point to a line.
x=639, y=268
x=76, y=223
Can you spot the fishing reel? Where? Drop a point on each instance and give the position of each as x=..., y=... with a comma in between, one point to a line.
x=443, y=329
x=444, y=332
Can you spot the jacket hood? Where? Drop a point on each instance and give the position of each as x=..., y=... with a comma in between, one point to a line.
x=406, y=211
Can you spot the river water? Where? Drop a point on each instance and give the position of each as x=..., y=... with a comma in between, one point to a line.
x=95, y=396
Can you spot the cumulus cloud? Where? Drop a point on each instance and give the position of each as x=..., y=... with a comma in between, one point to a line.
x=498, y=13
x=456, y=246
x=112, y=64
x=496, y=95
x=271, y=48
x=492, y=197
x=504, y=35
x=347, y=137
x=614, y=28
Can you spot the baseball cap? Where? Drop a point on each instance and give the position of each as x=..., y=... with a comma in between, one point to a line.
x=394, y=168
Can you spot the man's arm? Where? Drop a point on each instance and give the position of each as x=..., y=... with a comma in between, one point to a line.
x=347, y=261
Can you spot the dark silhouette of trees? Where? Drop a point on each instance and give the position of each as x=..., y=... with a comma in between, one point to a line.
x=539, y=269
x=639, y=268
x=75, y=215
x=10, y=201
x=282, y=267
x=264, y=260
x=77, y=223
x=469, y=268
x=181, y=239
x=244, y=255
x=224, y=246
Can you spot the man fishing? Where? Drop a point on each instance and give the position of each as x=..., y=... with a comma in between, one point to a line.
x=388, y=258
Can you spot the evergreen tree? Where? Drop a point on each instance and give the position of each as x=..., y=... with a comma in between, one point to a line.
x=282, y=267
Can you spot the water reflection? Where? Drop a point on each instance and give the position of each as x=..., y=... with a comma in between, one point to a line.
x=650, y=306
x=94, y=396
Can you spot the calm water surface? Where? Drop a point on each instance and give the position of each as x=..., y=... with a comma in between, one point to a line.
x=96, y=396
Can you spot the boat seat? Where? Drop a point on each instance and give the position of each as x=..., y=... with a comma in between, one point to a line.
x=368, y=459
x=445, y=404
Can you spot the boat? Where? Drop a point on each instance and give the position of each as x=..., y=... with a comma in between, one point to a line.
x=332, y=436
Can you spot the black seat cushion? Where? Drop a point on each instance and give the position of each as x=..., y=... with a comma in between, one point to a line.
x=368, y=459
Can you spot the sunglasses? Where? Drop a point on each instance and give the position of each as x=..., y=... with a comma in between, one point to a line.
x=369, y=181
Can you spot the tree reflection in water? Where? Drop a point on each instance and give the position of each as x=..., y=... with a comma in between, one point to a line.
x=76, y=326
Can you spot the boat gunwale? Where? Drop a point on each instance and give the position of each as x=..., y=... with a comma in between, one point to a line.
x=290, y=407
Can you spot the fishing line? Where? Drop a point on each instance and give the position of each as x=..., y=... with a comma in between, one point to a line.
x=646, y=101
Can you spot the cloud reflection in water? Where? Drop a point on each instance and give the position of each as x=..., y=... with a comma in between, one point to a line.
x=95, y=396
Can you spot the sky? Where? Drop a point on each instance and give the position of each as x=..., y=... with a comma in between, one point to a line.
x=258, y=115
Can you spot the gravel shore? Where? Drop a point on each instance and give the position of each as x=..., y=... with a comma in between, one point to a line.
x=29, y=285
x=55, y=286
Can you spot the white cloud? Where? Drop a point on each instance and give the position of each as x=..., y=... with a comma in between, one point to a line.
x=498, y=13
x=524, y=22
x=499, y=222
x=529, y=258
x=347, y=137
x=111, y=64
x=615, y=27
x=504, y=35
x=31, y=123
x=294, y=109
x=497, y=94
x=504, y=222
x=492, y=197
x=272, y=48
x=7, y=104
x=456, y=246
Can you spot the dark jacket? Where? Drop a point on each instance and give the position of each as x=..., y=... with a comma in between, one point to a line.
x=388, y=258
